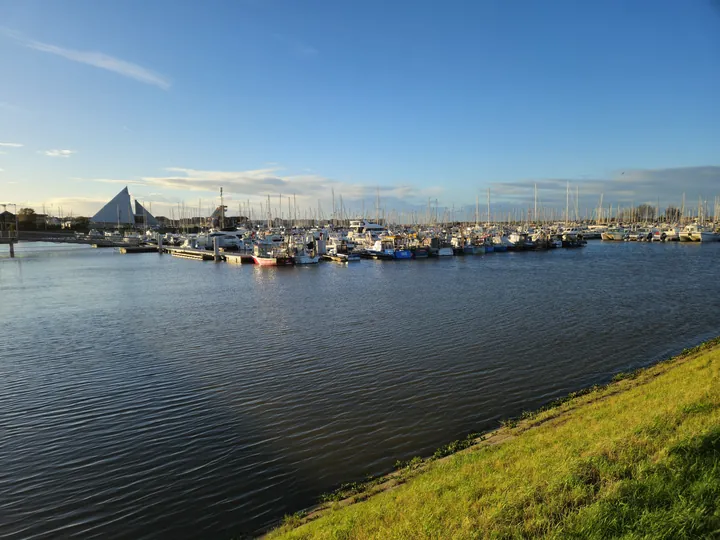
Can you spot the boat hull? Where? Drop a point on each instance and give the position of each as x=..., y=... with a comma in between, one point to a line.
x=377, y=255
x=273, y=261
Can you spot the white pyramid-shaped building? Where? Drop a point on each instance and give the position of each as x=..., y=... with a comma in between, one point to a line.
x=117, y=212
x=143, y=216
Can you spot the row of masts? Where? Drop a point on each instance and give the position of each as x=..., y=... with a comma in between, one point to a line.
x=286, y=211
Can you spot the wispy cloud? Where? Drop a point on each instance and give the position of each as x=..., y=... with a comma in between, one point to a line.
x=5, y=106
x=308, y=188
x=59, y=153
x=2, y=170
x=11, y=145
x=111, y=181
x=96, y=59
x=257, y=184
x=297, y=47
x=626, y=187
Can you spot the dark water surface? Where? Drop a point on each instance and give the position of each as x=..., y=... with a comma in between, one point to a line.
x=145, y=396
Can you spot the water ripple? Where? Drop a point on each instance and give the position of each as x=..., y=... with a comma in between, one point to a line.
x=147, y=396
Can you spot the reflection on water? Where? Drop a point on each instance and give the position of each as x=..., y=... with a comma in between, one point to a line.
x=148, y=396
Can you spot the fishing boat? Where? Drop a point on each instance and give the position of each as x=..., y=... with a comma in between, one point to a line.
x=382, y=249
x=698, y=233
x=265, y=254
x=342, y=257
x=304, y=257
x=501, y=242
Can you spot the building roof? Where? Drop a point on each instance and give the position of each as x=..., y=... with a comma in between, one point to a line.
x=144, y=216
x=118, y=210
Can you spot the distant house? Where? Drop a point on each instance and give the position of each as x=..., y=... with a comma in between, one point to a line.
x=8, y=226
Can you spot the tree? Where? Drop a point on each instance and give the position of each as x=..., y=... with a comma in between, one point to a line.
x=27, y=218
x=645, y=212
x=672, y=214
x=81, y=224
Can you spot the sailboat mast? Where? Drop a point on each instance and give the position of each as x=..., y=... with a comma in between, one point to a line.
x=477, y=209
x=377, y=207
x=488, y=205
x=222, y=210
x=567, y=203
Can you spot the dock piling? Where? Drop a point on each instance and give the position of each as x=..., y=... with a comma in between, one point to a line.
x=216, y=250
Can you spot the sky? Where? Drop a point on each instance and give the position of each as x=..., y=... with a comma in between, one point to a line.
x=415, y=100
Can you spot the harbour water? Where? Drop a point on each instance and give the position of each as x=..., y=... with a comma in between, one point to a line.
x=147, y=396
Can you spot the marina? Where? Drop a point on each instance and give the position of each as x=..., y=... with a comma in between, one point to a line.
x=237, y=395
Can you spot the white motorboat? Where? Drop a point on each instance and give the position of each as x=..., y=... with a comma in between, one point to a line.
x=225, y=239
x=698, y=233
x=617, y=234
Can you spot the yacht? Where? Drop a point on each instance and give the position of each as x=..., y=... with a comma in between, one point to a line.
x=132, y=238
x=361, y=226
x=617, y=234
x=226, y=240
x=698, y=233
x=362, y=231
x=643, y=234
x=668, y=234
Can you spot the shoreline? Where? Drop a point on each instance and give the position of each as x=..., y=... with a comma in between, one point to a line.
x=349, y=494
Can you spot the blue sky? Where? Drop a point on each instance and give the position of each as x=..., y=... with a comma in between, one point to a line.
x=422, y=99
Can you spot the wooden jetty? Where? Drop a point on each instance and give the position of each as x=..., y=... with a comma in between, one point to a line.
x=139, y=249
x=189, y=253
x=239, y=258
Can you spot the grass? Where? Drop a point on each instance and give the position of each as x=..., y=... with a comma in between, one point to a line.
x=638, y=458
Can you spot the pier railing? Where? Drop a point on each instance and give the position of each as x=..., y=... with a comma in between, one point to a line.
x=9, y=236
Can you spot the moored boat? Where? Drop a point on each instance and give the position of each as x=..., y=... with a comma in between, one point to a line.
x=616, y=234
x=698, y=233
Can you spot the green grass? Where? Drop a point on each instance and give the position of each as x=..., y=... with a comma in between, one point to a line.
x=639, y=458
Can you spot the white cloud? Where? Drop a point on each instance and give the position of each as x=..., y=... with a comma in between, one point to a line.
x=11, y=145
x=97, y=59
x=59, y=153
x=2, y=170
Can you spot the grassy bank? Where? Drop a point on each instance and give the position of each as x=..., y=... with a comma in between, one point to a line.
x=640, y=456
